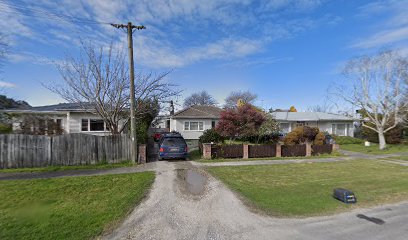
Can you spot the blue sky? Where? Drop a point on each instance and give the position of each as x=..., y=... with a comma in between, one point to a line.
x=288, y=52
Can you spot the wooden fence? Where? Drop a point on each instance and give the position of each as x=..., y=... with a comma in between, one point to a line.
x=227, y=151
x=321, y=149
x=19, y=151
x=260, y=151
x=293, y=150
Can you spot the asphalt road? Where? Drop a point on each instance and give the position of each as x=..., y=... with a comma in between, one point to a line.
x=172, y=212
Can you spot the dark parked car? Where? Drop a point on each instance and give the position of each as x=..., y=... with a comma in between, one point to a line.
x=172, y=146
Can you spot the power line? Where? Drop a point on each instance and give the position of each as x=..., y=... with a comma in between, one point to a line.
x=39, y=13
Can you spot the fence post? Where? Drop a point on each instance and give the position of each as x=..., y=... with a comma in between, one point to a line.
x=335, y=147
x=142, y=153
x=207, y=150
x=278, y=150
x=308, y=149
x=245, y=151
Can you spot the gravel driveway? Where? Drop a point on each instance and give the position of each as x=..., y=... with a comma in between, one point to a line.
x=173, y=212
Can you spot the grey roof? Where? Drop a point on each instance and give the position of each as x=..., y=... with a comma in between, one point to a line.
x=198, y=111
x=310, y=116
x=64, y=107
x=60, y=108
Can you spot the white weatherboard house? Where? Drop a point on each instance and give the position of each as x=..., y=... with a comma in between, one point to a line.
x=327, y=122
x=191, y=122
x=72, y=117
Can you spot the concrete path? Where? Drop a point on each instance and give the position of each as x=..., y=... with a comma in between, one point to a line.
x=270, y=162
x=348, y=156
x=172, y=212
x=399, y=162
x=76, y=173
x=153, y=161
x=371, y=156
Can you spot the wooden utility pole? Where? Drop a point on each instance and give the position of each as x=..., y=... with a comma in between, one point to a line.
x=129, y=27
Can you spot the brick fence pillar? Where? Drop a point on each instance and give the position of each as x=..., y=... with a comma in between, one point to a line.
x=308, y=149
x=207, y=150
x=278, y=150
x=335, y=147
x=142, y=153
x=245, y=151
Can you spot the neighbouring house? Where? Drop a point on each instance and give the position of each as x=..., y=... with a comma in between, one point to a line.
x=191, y=122
x=327, y=122
x=71, y=117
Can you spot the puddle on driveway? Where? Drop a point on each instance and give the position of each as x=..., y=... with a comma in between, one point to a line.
x=193, y=181
x=371, y=219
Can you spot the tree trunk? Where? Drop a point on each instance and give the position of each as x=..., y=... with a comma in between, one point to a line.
x=381, y=140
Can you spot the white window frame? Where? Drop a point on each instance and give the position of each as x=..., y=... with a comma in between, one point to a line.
x=187, y=126
x=344, y=132
x=288, y=129
x=89, y=125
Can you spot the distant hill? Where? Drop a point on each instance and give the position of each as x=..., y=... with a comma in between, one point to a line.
x=9, y=103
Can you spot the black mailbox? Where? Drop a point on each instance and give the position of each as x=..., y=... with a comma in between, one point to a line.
x=344, y=195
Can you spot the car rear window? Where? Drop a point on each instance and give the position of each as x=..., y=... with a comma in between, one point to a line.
x=174, y=141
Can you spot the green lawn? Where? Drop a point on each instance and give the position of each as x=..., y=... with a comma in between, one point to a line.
x=306, y=189
x=194, y=155
x=373, y=149
x=404, y=158
x=334, y=154
x=70, y=207
x=62, y=168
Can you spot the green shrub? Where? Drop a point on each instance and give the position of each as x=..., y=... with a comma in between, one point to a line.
x=393, y=136
x=210, y=135
x=301, y=135
x=291, y=138
x=319, y=139
x=5, y=128
x=347, y=140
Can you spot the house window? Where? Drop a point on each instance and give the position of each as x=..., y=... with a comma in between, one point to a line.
x=84, y=125
x=96, y=125
x=93, y=125
x=284, y=127
x=341, y=129
x=193, y=126
x=300, y=123
x=59, y=122
x=213, y=124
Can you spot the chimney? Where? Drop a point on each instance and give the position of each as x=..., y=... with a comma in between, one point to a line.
x=171, y=108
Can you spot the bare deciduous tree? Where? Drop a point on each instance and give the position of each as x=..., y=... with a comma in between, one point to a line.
x=245, y=96
x=98, y=81
x=378, y=87
x=199, y=98
x=326, y=106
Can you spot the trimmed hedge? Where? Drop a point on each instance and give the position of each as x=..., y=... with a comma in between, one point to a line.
x=348, y=140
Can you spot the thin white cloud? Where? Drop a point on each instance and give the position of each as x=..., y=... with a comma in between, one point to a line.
x=389, y=32
x=31, y=58
x=232, y=25
x=297, y=5
x=159, y=56
x=256, y=62
x=12, y=24
x=384, y=38
x=7, y=84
